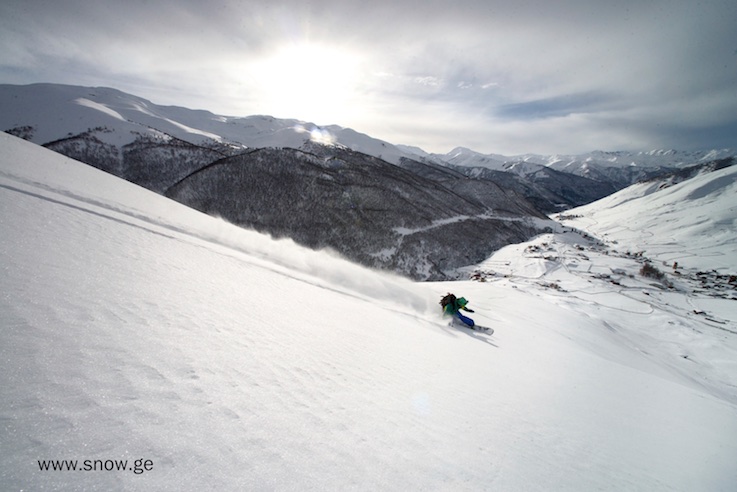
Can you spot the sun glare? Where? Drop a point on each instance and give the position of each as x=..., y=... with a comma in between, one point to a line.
x=308, y=81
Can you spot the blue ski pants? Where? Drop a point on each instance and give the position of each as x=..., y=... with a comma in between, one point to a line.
x=465, y=319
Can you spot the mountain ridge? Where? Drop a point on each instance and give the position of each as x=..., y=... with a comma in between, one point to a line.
x=163, y=147
x=267, y=131
x=619, y=168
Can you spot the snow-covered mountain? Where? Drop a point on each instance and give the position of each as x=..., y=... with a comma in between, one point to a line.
x=282, y=177
x=561, y=182
x=44, y=113
x=619, y=169
x=646, y=159
x=118, y=118
x=152, y=347
x=691, y=222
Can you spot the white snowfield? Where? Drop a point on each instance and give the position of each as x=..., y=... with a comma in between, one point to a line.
x=206, y=357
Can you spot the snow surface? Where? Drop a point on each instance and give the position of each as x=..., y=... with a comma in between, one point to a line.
x=133, y=328
x=99, y=107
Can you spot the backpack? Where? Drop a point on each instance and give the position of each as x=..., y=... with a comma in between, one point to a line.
x=448, y=299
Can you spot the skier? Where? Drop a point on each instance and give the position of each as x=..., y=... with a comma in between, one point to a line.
x=453, y=305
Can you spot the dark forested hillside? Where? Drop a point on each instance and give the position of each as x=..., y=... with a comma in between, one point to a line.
x=371, y=211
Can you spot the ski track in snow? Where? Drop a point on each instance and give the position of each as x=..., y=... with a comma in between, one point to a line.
x=133, y=327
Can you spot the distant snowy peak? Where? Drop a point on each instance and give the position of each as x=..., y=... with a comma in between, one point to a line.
x=625, y=168
x=415, y=151
x=654, y=158
x=462, y=156
x=525, y=168
x=618, y=168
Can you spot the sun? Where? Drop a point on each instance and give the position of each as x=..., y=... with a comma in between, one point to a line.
x=308, y=81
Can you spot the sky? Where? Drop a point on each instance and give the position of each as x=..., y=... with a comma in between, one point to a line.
x=529, y=76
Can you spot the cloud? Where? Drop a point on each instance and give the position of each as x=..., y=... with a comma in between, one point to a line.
x=529, y=75
x=564, y=105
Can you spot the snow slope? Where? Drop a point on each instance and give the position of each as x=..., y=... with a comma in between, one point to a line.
x=133, y=328
x=693, y=222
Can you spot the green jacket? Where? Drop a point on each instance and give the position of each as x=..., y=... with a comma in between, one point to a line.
x=453, y=307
